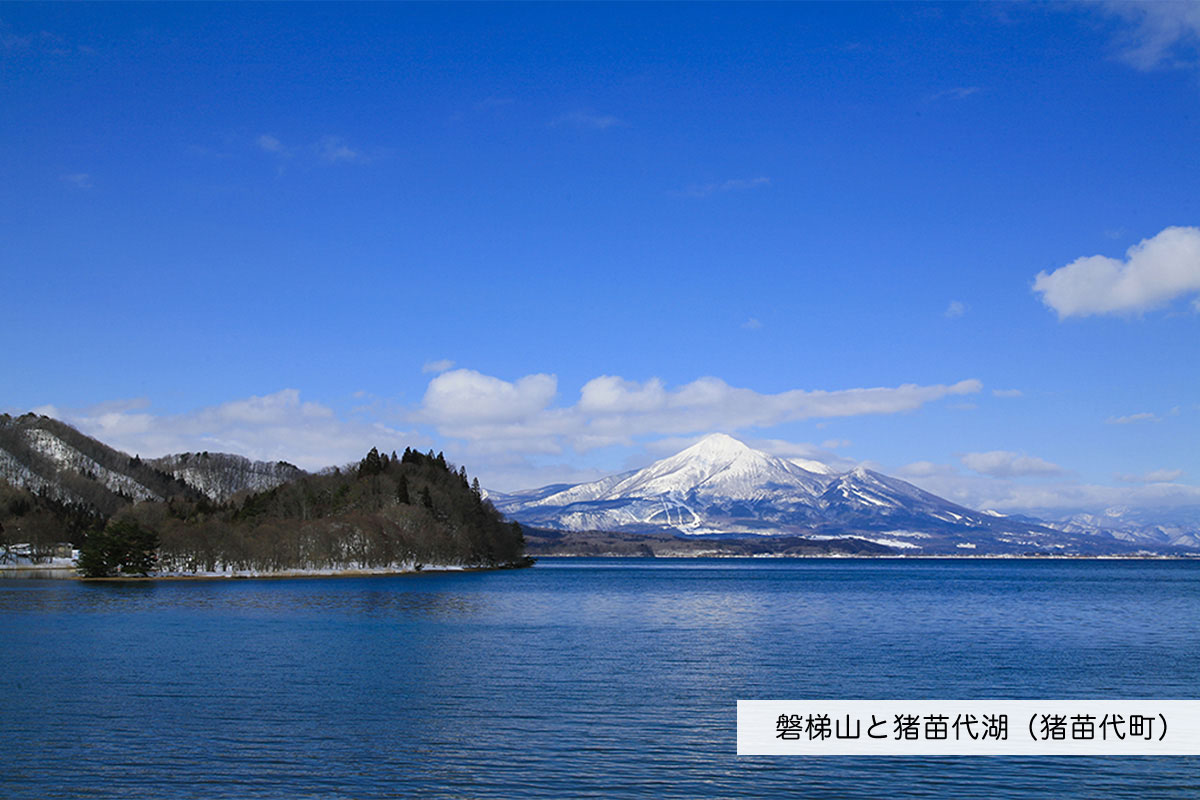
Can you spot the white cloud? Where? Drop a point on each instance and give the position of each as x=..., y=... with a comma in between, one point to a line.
x=1047, y=499
x=925, y=469
x=956, y=309
x=464, y=397
x=441, y=365
x=274, y=427
x=752, y=324
x=1154, y=476
x=1144, y=416
x=589, y=119
x=1155, y=272
x=1007, y=393
x=492, y=414
x=955, y=93
x=1163, y=33
x=334, y=150
x=326, y=150
x=80, y=180
x=610, y=394
x=269, y=143
x=1007, y=464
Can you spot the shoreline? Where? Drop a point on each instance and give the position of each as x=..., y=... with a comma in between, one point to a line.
x=70, y=573
x=895, y=556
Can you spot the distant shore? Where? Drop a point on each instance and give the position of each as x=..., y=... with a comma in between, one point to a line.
x=895, y=556
x=68, y=570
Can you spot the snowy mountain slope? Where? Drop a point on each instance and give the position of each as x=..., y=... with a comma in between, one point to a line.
x=862, y=490
x=715, y=467
x=1179, y=527
x=721, y=486
x=66, y=457
x=220, y=476
x=51, y=458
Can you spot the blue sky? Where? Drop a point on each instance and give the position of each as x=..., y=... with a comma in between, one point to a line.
x=560, y=240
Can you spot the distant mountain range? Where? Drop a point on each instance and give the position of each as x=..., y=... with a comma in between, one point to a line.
x=717, y=488
x=721, y=487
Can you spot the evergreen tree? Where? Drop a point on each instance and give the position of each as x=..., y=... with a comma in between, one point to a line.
x=121, y=548
x=426, y=498
x=371, y=465
x=402, y=491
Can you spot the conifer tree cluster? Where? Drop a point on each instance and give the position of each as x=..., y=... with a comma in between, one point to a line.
x=122, y=548
x=385, y=511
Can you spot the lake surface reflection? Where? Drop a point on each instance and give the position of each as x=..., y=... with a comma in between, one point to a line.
x=577, y=678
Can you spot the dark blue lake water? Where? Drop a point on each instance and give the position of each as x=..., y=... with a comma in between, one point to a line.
x=577, y=678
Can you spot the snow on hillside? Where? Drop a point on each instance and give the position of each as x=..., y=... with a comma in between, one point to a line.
x=716, y=466
x=721, y=485
x=67, y=457
x=221, y=475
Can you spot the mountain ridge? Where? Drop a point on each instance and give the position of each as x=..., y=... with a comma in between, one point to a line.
x=719, y=486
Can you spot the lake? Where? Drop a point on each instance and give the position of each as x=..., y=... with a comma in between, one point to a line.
x=591, y=678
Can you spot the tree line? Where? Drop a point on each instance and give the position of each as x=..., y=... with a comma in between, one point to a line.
x=385, y=511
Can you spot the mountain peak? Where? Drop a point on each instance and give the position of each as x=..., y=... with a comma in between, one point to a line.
x=720, y=445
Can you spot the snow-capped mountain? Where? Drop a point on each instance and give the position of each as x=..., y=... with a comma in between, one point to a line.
x=722, y=486
x=1178, y=527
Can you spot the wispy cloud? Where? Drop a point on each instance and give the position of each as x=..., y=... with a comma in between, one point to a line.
x=1155, y=272
x=1007, y=464
x=80, y=180
x=954, y=93
x=1042, y=496
x=752, y=324
x=441, y=365
x=1154, y=476
x=271, y=144
x=11, y=41
x=328, y=150
x=1164, y=33
x=956, y=309
x=732, y=185
x=491, y=414
x=1129, y=419
x=334, y=150
x=590, y=120
x=43, y=43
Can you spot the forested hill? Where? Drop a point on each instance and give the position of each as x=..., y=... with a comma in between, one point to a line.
x=53, y=460
x=194, y=512
x=57, y=483
x=385, y=512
